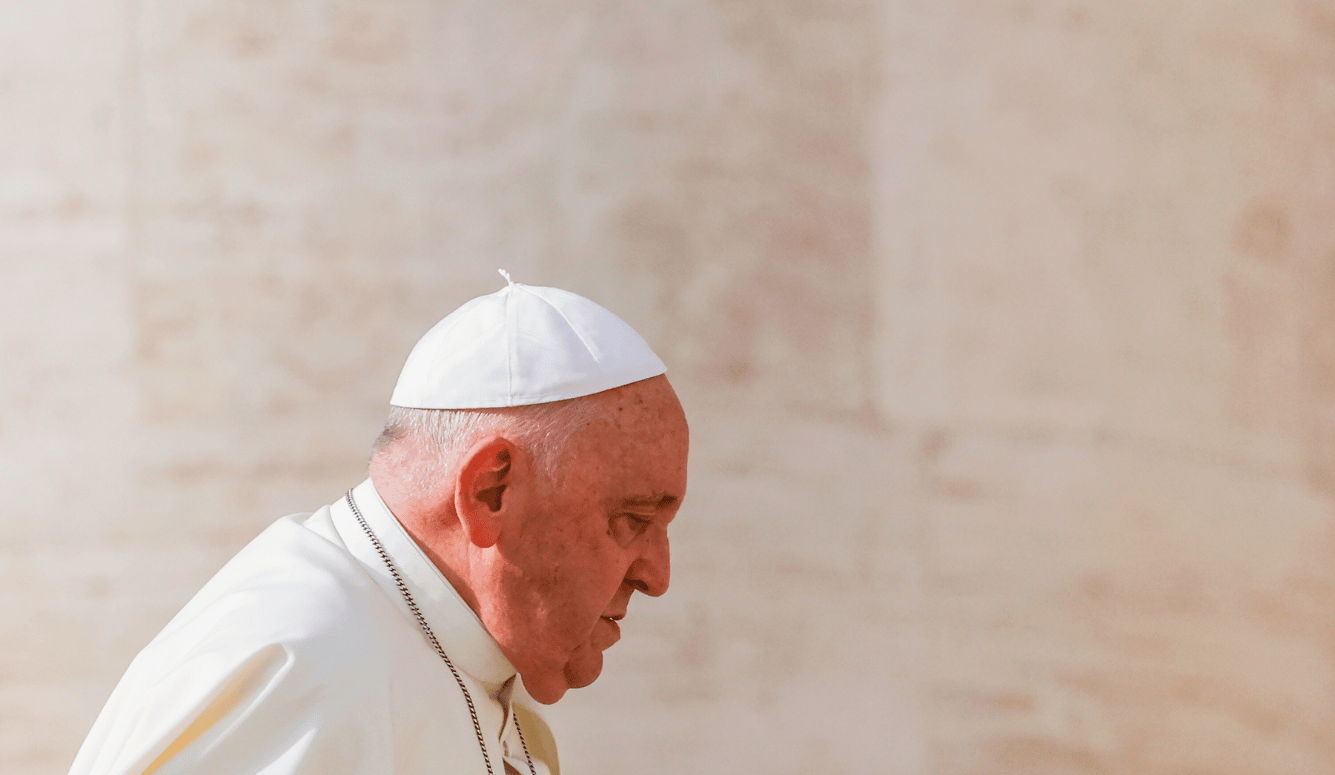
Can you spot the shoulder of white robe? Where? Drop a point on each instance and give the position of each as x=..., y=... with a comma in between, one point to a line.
x=236, y=676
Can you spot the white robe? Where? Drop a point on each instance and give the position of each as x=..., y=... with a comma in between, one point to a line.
x=301, y=656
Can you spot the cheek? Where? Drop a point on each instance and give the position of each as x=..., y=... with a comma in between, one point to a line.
x=588, y=578
x=592, y=576
x=573, y=568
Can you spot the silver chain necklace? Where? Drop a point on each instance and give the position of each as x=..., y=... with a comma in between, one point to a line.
x=431, y=636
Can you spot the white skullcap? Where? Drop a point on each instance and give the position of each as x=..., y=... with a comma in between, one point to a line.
x=522, y=345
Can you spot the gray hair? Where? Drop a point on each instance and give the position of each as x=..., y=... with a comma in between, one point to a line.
x=545, y=430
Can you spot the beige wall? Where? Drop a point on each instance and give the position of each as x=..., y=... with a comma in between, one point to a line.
x=1107, y=276
x=1004, y=327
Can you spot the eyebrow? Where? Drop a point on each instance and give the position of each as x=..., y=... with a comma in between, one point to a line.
x=656, y=499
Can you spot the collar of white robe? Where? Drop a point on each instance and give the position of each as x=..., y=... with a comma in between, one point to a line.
x=431, y=637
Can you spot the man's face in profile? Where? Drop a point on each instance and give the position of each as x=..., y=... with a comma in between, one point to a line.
x=595, y=534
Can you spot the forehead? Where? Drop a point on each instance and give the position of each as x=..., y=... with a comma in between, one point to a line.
x=636, y=441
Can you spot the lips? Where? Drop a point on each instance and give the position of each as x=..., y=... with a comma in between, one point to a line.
x=608, y=633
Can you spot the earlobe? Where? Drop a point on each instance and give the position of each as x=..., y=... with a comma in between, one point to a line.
x=482, y=490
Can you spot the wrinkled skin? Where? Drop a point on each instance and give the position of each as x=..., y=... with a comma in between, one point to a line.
x=596, y=536
x=550, y=566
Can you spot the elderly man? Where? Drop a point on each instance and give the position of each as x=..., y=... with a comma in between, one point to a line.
x=518, y=497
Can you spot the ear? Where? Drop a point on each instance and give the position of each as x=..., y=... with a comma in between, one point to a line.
x=483, y=489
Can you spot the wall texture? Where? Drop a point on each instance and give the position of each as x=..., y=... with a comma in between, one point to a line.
x=1105, y=257
x=1004, y=327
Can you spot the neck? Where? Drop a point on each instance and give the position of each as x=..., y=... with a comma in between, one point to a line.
x=432, y=524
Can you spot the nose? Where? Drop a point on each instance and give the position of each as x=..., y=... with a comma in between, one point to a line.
x=652, y=570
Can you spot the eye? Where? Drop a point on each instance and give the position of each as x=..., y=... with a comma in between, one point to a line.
x=637, y=523
x=627, y=526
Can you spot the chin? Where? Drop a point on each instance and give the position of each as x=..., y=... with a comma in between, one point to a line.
x=584, y=668
x=547, y=695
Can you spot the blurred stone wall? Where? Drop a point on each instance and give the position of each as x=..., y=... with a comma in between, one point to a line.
x=1106, y=279
x=1004, y=327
